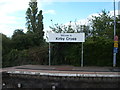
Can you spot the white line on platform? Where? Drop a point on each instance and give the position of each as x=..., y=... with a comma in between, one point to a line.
x=63, y=74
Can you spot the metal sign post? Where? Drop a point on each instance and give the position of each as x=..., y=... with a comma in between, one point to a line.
x=82, y=55
x=49, y=55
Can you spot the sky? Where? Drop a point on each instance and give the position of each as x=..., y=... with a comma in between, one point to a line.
x=12, y=12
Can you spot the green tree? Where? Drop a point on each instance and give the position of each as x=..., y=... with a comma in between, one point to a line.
x=18, y=32
x=100, y=44
x=6, y=48
x=102, y=25
x=98, y=48
x=76, y=28
x=39, y=55
x=35, y=22
x=19, y=40
x=118, y=27
x=6, y=44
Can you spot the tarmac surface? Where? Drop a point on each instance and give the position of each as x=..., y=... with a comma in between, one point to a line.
x=66, y=68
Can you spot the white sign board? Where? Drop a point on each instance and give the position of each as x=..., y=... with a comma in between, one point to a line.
x=66, y=37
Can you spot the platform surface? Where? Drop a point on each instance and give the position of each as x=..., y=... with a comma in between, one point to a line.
x=64, y=71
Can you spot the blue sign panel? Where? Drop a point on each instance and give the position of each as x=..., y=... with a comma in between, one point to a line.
x=115, y=50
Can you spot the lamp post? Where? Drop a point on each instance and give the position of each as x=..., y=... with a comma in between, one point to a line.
x=114, y=53
x=119, y=10
x=114, y=20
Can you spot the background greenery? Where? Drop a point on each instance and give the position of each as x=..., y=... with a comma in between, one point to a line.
x=31, y=48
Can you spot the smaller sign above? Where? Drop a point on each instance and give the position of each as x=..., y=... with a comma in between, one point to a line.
x=116, y=38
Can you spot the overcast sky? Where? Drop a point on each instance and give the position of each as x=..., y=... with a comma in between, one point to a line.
x=12, y=12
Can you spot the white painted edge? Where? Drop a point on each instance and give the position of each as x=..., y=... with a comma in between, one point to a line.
x=63, y=74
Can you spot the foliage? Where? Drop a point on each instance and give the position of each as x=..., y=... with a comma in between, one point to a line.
x=18, y=32
x=98, y=48
x=6, y=44
x=68, y=52
x=23, y=40
x=71, y=28
x=98, y=52
x=39, y=55
x=24, y=48
x=35, y=22
x=15, y=58
x=30, y=47
x=102, y=25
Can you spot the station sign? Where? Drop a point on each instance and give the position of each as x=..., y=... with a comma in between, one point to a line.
x=66, y=37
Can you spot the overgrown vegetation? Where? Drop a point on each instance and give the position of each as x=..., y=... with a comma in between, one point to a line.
x=31, y=48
